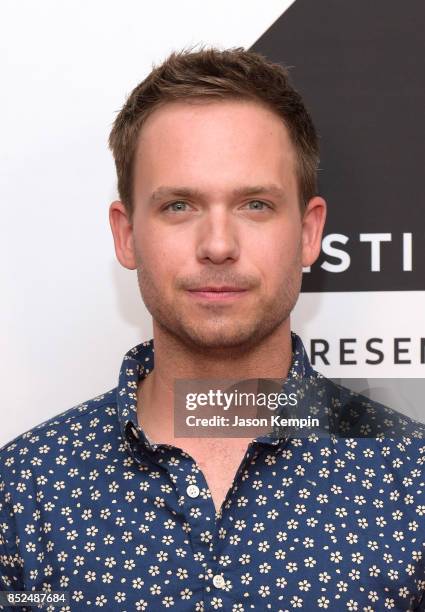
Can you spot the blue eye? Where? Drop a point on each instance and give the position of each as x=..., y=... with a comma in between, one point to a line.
x=264, y=204
x=174, y=203
x=183, y=203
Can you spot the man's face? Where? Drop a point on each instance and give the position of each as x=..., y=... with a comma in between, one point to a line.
x=215, y=235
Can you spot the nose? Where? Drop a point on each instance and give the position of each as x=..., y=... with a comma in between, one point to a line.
x=217, y=239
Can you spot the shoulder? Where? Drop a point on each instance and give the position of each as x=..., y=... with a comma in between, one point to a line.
x=23, y=448
x=352, y=414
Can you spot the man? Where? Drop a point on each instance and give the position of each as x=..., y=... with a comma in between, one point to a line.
x=216, y=158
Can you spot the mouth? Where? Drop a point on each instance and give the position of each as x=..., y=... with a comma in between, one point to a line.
x=220, y=294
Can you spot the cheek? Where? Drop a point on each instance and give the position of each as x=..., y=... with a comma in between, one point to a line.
x=280, y=247
x=153, y=246
x=281, y=262
x=164, y=259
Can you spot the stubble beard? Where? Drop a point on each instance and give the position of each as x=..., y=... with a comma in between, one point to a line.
x=216, y=329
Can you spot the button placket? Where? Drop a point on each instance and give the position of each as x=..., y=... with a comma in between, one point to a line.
x=198, y=510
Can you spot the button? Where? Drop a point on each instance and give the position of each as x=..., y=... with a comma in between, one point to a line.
x=192, y=490
x=218, y=581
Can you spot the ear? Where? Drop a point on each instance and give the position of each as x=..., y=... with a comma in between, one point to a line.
x=122, y=231
x=313, y=222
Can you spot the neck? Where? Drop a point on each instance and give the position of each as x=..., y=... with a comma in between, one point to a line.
x=173, y=358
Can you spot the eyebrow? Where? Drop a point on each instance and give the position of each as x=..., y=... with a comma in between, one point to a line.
x=185, y=192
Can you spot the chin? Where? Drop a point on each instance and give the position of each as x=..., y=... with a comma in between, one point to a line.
x=219, y=338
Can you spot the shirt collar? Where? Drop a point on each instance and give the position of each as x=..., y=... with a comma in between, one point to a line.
x=137, y=364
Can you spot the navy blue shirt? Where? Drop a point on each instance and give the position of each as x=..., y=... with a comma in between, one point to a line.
x=88, y=505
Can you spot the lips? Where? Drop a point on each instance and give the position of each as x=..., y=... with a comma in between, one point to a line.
x=224, y=294
x=223, y=289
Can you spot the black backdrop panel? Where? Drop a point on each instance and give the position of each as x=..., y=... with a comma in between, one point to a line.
x=360, y=66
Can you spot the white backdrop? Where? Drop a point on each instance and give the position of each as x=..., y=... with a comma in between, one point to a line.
x=69, y=310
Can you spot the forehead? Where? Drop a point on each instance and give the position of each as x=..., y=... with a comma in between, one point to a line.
x=220, y=138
